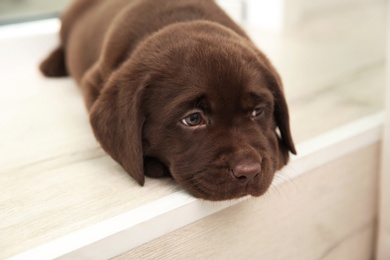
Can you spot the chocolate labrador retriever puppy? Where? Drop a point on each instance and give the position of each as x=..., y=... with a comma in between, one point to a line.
x=177, y=88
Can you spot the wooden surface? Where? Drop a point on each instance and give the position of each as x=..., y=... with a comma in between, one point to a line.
x=329, y=213
x=54, y=177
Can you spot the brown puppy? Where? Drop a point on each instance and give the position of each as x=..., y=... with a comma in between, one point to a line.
x=177, y=88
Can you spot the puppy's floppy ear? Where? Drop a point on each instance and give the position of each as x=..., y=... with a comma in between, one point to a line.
x=117, y=121
x=281, y=113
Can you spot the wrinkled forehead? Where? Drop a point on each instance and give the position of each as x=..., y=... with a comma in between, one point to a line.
x=227, y=78
x=224, y=77
x=227, y=71
x=213, y=86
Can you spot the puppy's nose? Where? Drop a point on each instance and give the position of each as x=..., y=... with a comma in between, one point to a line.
x=246, y=172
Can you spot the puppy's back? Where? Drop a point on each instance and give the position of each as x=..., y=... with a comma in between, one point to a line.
x=109, y=30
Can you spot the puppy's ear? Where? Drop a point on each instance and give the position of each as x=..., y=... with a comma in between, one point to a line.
x=283, y=120
x=117, y=121
x=281, y=113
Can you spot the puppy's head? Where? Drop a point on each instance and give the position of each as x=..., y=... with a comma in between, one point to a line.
x=205, y=103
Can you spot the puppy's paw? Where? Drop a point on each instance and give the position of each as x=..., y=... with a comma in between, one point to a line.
x=155, y=169
x=54, y=64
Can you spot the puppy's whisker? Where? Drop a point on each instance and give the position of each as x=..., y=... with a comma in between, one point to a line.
x=285, y=177
x=195, y=180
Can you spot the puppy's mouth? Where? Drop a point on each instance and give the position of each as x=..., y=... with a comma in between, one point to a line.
x=224, y=186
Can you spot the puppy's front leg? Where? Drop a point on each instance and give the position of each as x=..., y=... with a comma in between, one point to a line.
x=155, y=169
x=54, y=64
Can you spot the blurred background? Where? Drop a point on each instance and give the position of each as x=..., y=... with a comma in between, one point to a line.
x=14, y=11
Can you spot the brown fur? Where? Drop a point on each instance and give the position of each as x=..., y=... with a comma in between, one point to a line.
x=145, y=65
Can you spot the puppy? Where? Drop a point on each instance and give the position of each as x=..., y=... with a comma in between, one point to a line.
x=177, y=88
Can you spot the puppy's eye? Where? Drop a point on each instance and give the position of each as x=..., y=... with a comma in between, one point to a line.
x=258, y=112
x=195, y=119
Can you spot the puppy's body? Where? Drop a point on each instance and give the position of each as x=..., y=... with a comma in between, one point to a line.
x=111, y=30
x=176, y=87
